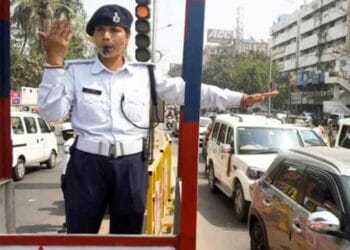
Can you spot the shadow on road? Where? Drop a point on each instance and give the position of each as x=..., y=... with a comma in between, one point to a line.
x=38, y=228
x=56, y=208
x=216, y=208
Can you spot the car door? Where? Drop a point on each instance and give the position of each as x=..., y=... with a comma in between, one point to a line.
x=34, y=149
x=212, y=143
x=19, y=142
x=278, y=202
x=228, y=158
x=45, y=138
x=320, y=195
x=221, y=156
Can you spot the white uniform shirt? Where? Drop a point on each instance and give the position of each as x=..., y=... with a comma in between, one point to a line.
x=93, y=94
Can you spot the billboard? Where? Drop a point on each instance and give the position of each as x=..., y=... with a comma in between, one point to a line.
x=219, y=36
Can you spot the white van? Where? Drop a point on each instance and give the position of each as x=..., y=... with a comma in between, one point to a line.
x=343, y=137
x=33, y=143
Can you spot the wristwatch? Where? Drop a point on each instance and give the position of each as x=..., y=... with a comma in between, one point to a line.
x=51, y=66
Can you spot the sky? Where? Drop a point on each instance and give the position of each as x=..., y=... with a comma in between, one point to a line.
x=258, y=17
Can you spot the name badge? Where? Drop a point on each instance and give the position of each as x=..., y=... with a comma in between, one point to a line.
x=92, y=91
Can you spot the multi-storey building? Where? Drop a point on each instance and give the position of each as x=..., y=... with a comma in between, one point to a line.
x=311, y=46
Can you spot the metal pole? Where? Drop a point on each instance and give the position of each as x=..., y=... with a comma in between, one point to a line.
x=270, y=84
x=154, y=30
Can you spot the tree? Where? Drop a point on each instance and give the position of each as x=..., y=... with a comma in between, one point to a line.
x=245, y=72
x=27, y=55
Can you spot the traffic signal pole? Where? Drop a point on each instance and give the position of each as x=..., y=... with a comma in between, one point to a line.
x=189, y=122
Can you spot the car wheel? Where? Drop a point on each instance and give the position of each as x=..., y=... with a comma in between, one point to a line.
x=240, y=204
x=51, y=162
x=19, y=170
x=211, y=179
x=257, y=238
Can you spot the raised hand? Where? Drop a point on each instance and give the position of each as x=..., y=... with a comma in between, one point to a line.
x=56, y=41
x=248, y=100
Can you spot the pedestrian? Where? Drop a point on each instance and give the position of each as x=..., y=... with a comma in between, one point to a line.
x=109, y=99
x=318, y=129
x=332, y=131
x=68, y=138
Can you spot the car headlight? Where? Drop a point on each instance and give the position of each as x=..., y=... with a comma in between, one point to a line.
x=254, y=173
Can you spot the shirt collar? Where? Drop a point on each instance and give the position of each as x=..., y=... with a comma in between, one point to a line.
x=98, y=67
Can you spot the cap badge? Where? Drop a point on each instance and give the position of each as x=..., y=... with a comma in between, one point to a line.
x=116, y=18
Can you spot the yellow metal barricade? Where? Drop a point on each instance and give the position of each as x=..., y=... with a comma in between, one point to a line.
x=159, y=197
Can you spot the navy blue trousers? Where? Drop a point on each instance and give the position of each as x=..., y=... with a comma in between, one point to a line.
x=94, y=183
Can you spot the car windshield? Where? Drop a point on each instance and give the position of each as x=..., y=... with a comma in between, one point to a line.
x=267, y=140
x=311, y=139
x=204, y=122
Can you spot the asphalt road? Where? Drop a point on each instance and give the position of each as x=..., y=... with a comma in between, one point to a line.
x=39, y=209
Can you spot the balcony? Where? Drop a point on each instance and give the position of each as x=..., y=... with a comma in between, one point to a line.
x=286, y=36
x=309, y=59
x=309, y=42
x=290, y=49
x=336, y=32
x=289, y=64
x=334, y=13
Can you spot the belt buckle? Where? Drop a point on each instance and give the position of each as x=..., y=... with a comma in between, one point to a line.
x=112, y=150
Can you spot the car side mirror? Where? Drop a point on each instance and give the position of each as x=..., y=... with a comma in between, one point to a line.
x=52, y=128
x=323, y=222
x=225, y=148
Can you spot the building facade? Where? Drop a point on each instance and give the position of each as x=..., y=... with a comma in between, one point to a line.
x=311, y=46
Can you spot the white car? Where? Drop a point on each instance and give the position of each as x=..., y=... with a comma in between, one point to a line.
x=204, y=123
x=33, y=143
x=343, y=136
x=240, y=149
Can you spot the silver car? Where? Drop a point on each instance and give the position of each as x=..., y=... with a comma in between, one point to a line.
x=302, y=201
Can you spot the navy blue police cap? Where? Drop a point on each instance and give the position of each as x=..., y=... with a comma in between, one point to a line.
x=111, y=14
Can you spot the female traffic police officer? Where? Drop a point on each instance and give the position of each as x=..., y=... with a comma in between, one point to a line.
x=107, y=165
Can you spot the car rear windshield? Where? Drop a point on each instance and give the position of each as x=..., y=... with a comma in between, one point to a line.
x=254, y=140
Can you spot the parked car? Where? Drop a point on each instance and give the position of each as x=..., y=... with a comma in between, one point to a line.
x=204, y=125
x=337, y=117
x=302, y=201
x=310, y=137
x=343, y=136
x=240, y=149
x=33, y=142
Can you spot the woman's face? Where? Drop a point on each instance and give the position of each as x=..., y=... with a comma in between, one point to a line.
x=110, y=41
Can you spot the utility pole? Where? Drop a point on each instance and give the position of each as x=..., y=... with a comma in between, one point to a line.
x=347, y=39
x=154, y=30
x=270, y=85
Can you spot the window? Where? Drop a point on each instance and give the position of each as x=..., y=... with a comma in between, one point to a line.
x=290, y=181
x=230, y=139
x=17, y=125
x=319, y=194
x=44, y=128
x=222, y=134
x=215, y=131
x=30, y=125
x=344, y=139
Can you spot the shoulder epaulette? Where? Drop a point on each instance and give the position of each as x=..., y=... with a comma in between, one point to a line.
x=77, y=61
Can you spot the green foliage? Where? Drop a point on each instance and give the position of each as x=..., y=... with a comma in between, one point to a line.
x=244, y=72
x=27, y=54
